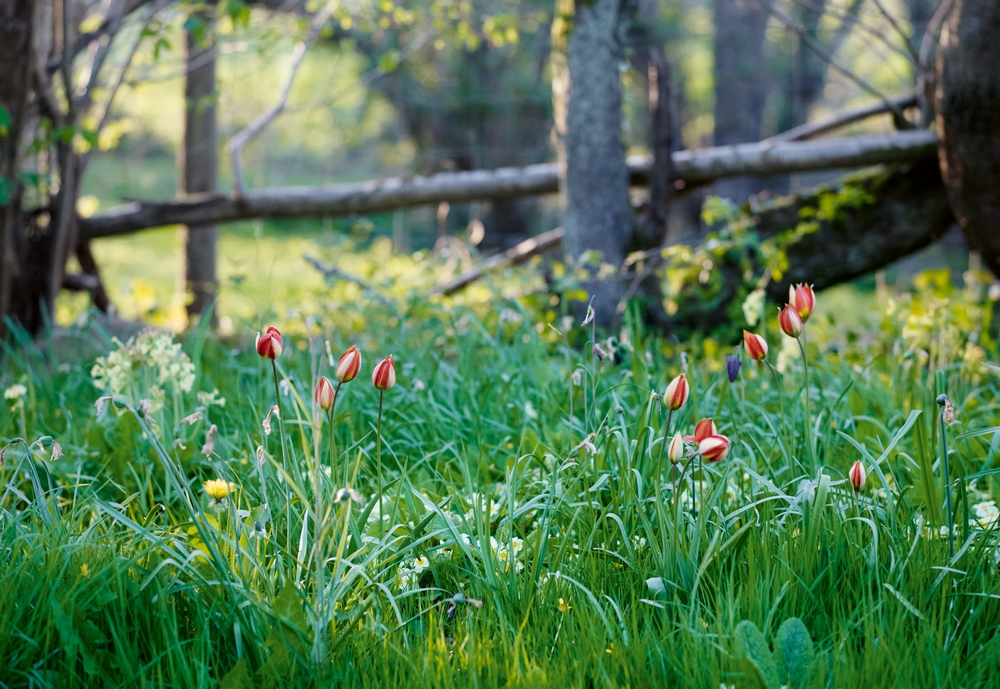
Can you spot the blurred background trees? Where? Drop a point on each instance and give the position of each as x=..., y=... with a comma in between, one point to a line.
x=111, y=101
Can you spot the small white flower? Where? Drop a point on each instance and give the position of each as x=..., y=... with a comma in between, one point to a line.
x=15, y=392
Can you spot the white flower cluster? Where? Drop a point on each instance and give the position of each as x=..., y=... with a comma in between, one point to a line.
x=144, y=365
x=986, y=513
x=14, y=393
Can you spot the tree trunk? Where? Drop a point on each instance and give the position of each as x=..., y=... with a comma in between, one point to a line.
x=199, y=163
x=16, y=23
x=741, y=83
x=598, y=211
x=968, y=116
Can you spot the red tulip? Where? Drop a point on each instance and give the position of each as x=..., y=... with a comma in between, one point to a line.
x=714, y=448
x=324, y=393
x=790, y=321
x=754, y=345
x=677, y=393
x=704, y=429
x=857, y=476
x=348, y=365
x=269, y=346
x=384, y=375
x=802, y=299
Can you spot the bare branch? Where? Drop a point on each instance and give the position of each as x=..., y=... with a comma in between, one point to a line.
x=927, y=42
x=516, y=255
x=379, y=196
x=818, y=48
x=330, y=271
x=812, y=130
x=241, y=138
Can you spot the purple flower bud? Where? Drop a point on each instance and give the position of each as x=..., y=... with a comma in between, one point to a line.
x=733, y=365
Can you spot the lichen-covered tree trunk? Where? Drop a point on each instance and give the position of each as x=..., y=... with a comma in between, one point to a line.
x=968, y=116
x=199, y=163
x=598, y=212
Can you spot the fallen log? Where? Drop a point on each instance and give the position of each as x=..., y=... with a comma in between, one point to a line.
x=380, y=196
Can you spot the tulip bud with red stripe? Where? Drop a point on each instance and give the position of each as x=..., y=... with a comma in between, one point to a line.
x=714, y=448
x=857, y=476
x=269, y=345
x=790, y=322
x=755, y=346
x=348, y=365
x=677, y=393
x=324, y=394
x=384, y=375
x=802, y=299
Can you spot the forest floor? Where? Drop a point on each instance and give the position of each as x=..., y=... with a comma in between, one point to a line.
x=161, y=525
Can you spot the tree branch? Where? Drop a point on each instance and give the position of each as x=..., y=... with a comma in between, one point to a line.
x=516, y=255
x=818, y=48
x=380, y=196
x=812, y=130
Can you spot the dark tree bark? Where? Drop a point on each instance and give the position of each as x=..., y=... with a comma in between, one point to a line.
x=598, y=211
x=650, y=61
x=968, y=116
x=199, y=163
x=741, y=83
x=16, y=24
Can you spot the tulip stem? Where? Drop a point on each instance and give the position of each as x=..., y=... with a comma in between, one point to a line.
x=781, y=396
x=663, y=445
x=333, y=437
x=809, y=429
x=284, y=457
x=378, y=459
x=947, y=479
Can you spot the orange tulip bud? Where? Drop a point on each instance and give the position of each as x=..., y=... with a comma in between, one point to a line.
x=269, y=346
x=790, y=322
x=348, y=365
x=857, y=476
x=754, y=345
x=802, y=299
x=324, y=393
x=714, y=448
x=677, y=393
x=384, y=375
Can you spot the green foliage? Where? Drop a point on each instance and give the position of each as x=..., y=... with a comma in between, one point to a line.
x=524, y=537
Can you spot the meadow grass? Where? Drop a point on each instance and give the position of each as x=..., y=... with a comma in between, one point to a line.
x=524, y=537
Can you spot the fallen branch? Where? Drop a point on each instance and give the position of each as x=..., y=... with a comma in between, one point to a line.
x=331, y=272
x=516, y=255
x=380, y=196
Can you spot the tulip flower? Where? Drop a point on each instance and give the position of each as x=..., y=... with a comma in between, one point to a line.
x=857, y=476
x=324, y=394
x=755, y=346
x=790, y=321
x=348, y=365
x=802, y=299
x=676, y=450
x=714, y=448
x=384, y=375
x=269, y=346
x=704, y=429
x=677, y=393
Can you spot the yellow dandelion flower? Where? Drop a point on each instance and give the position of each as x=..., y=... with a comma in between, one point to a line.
x=564, y=606
x=218, y=489
x=85, y=569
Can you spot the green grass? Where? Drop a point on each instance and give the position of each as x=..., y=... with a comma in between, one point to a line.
x=119, y=570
